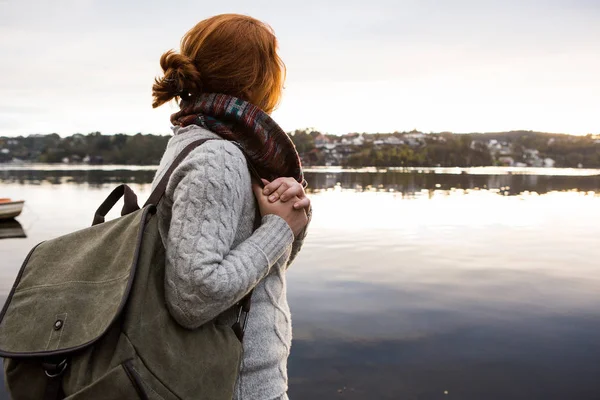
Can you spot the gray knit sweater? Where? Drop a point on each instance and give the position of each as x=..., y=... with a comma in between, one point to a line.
x=213, y=257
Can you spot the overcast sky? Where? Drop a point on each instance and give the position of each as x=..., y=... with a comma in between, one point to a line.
x=353, y=66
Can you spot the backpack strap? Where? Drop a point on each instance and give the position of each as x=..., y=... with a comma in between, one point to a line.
x=161, y=187
x=130, y=205
x=54, y=371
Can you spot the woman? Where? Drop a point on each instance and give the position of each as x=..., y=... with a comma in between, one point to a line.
x=228, y=78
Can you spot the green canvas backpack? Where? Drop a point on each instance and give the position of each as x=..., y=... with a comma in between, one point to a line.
x=86, y=317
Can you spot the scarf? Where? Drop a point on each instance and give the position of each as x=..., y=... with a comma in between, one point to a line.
x=268, y=149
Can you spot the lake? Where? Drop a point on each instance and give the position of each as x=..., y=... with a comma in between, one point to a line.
x=439, y=284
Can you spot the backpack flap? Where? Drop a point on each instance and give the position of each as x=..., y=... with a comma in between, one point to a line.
x=71, y=289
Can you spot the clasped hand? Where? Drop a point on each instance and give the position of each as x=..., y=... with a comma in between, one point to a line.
x=284, y=197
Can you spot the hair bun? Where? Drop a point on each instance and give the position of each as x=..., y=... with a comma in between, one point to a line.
x=180, y=78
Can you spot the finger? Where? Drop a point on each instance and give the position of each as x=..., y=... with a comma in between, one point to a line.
x=295, y=190
x=280, y=190
x=264, y=181
x=302, y=203
x=273, y=186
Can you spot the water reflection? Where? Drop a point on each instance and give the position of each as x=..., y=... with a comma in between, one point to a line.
x=410, y=183
x=473, y=362
x=10, y=229
x=94, y=178
x=410, y=286
x=407, y=183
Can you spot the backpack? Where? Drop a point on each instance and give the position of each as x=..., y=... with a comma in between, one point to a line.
x=86, y=317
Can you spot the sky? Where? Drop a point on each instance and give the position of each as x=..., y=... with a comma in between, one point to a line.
x=71, y=66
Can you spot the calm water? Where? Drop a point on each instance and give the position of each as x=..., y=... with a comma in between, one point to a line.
x=410, y=286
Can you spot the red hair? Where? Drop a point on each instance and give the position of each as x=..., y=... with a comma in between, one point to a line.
x=228, y=53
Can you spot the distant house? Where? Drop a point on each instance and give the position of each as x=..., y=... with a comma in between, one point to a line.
x=533, y=153
x=499, y=148
x=355, y=139
x=533, y=158
x=415, y=135
x=506, y=161
x=358, y=141
x=344, y=148
x=321, y=141
x=505, y=151
x=394, y=141
x=549, y=163
x=414, y=139
x=494, y=146
x=536, y=162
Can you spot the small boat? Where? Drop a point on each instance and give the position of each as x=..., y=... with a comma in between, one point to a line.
x=11, y=228
x=10, y=209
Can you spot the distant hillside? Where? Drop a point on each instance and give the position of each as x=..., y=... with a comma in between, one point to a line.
x=93, y=148
x=511, y=135
x=416, y=149
x=397, y=149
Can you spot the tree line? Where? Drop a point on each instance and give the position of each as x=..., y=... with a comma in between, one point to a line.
x=94, y=148
x=436, y=149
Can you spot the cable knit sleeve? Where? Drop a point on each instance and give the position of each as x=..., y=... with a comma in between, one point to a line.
x=205, y=275
x=299, y=241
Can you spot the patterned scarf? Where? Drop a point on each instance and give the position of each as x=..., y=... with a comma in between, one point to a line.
x=269, y=149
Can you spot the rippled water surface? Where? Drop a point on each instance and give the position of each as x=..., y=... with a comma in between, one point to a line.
x=410, y=285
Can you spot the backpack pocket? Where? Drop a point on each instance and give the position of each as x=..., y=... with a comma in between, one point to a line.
x=24, y=379
x=118, y=383
x=147, y=382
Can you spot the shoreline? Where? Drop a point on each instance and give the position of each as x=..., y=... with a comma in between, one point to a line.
x=488, y=170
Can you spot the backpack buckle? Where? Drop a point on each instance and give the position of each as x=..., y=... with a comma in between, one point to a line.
x=55, y=370
x=239, y=327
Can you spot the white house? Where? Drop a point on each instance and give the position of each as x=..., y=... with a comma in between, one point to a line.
x=358, y=141
x=321, y=141
x=394, y=141
x=415, y=135
x=533, y=153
